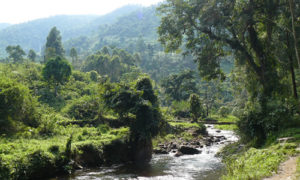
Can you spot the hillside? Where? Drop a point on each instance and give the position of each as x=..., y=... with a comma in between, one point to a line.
x=4, y=25
x=32, y=34
x=123, y=33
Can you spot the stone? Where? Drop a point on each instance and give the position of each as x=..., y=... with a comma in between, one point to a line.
x=159, y=151
x=178, y=153
x=188, y=150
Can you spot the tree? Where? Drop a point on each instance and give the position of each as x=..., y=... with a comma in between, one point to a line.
x=292, y=11
x=144, y=84
x=16, y=53
x=179, y=86
x=196, y=108
x=31, y=55
x=124, y=99
x=54, y=45
x=56, y=72
x=211, y=30
x=249, y=30
x=73, y=54
x=16, y=105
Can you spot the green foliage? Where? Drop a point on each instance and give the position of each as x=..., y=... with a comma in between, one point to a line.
x=179, y=86
x=258, y=163
x=16, y=53
x=54, y=46
x=16, y=106
x=229, y=118
x=84, y=108
x=125, y=99
x=257, y=124
x=144, y=84
x=31, y=158
x=94, y=76
x=196, y=108
x=57, y=71
x=73, y=55
x=113, y=66
x=121, y=99
x=223, y=111
x=32, y=55
x=181, y=109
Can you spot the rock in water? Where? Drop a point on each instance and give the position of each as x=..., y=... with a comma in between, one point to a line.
x=188, y=150
x=160, y=151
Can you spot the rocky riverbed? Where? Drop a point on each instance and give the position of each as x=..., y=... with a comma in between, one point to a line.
x=173, y=160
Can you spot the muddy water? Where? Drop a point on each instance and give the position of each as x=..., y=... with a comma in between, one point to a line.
x=204, y=166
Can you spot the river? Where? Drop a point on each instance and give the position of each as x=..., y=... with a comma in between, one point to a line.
x=203, y=166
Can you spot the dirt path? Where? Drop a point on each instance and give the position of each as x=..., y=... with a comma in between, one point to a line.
x=287, y=170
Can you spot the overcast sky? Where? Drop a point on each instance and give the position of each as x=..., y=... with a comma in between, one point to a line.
x=18, y=11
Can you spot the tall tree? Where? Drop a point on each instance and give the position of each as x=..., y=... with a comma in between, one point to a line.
x=179, y=86
x=16, y=53
x=54, y=45
x=56, y=72
x=211, y=30
x=31, y=55
x=196, y=108
x=73, y=54
x=293, y=16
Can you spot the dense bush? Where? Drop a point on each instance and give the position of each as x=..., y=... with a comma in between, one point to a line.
x=223, y=111
x=196, y=108
x=181, y=109
x=257, y=124
x=84, y=108
x=16, y=105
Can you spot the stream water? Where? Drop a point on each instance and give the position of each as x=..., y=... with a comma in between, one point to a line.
x=203, y=166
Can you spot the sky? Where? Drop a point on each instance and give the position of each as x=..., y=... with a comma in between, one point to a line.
x=18, y=11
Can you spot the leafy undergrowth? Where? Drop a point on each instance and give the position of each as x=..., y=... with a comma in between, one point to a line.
x=258, y=163
x=291, y=132
x=181, y=132
x=229, y=118
x=25, y=157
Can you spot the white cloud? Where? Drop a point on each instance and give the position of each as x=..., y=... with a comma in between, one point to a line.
x=17, y=11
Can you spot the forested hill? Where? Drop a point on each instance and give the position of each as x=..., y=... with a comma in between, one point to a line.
x=123, y=33
x=31, y=35
x=4, y=25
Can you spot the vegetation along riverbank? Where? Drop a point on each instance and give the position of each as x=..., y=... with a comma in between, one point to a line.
x=155, y=87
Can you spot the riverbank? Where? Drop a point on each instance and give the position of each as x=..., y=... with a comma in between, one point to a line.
x=246, y=162
x=36, y=157
x=203, y=165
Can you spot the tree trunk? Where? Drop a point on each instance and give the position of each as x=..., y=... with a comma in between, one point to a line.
x=293, y=78
x=55, y=90
x=291, y=67
x=292, y=9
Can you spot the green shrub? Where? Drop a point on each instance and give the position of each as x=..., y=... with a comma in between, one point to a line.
x=79, y=76
x=103, y=128
x=94, y=76
x=258, y=124
x=181, y=109
x=16, y=105
x=196, y=108
x=223, y=111
x=84, y=108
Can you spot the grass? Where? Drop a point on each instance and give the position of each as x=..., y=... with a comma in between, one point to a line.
x=291, y=132
x=180, y=133
x=19, y=155
x=258, y=163
x=229, y=118
x=185, y=125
